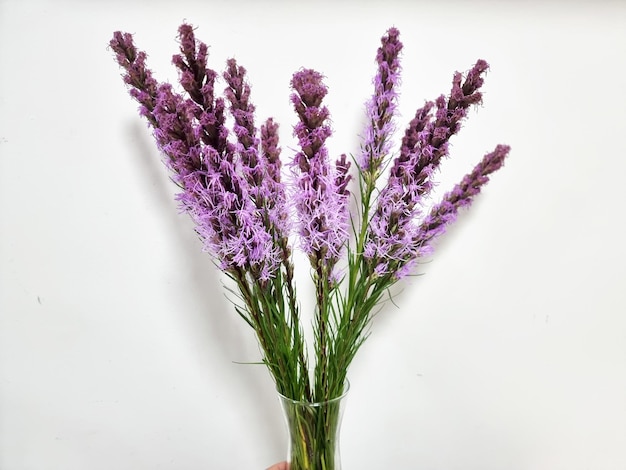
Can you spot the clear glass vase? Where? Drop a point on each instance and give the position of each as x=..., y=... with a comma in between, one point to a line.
x=314, y=433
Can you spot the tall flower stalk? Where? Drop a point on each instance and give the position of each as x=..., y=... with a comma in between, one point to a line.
x=321, y=201
x=231, y=183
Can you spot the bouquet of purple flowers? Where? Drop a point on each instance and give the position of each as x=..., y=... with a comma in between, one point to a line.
x=232, y=185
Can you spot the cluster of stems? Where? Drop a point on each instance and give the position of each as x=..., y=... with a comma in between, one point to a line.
x=231, y=184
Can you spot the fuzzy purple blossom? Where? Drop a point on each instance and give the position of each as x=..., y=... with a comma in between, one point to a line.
x=238, y=95
x=226, y=217
x=321, y=196
x=380, y=109
x=214, y=192
x=276, y=198
x=175, y=134
x=270, y=149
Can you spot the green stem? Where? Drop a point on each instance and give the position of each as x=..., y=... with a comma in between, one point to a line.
x=364, y=290
x=322, y=330
x=298, y=340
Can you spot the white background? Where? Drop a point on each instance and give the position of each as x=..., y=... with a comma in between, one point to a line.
x=118, y=349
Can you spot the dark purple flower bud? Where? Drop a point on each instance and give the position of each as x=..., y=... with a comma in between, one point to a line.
x=310, y=89
x=474, y=81
x=199, y=82
x=137, y=75
x=192, y=64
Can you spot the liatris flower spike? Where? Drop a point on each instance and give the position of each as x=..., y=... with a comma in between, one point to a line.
x=381, y=108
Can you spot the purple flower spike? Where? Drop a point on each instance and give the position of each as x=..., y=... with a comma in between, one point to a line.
x=381, y=108
x=270, y=149
x=238, y=95
x=321, y=199
x=138, y=76
x=199, y=82
x=192, y=63
x=260, y=166
x=175, y=134
x=445, y=212
x=275, y=196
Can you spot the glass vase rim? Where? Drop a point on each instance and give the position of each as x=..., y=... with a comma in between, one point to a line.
x=317, y=403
